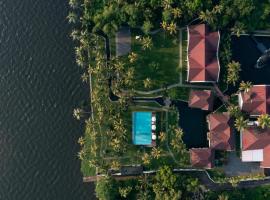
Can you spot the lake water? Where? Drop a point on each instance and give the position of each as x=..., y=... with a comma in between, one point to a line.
x=40, y=85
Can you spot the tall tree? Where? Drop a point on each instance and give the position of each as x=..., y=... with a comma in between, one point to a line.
x=245, y=86
x=240, y=123
x=165, y=185
x=264, y=121
x=233, y=69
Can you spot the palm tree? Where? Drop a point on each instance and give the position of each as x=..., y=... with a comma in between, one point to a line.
x=156, y=152
x=234, y=111
x=176, y=12
x=81, y=141
x=233, y=72
x=264, y=121
x=223, y=197
x=240, y=123
x=171, y=28
x=218, y=9
x=75, y=34
x=167, y=4
x=84, y=77
x=164, y=25
x=245, y=86
x=77, y=113
x=115, y=165
x=162, y=136
x=147, y=43
x=124, y=191
x=73, y=3
x=81, y=154
x=147, y=83
x=206, y=16
x=146, y=159
x=238, y=29
x=133, y=57
x=72, y=17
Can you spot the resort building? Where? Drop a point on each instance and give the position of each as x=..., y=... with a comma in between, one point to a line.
x=256, y=101
x=202, y=157
x=144, y=128
x=202, y=56
x=255, y=146
x=203, y=99
x=220, y=134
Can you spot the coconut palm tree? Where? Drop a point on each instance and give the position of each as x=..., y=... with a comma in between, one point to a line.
x=167, y=4
x=264, y=121
x=172, y=28
x=238, y=29
x=78, y=113
x=73, y=3
x=75, y=34
x=132, y=57
x=233, y=72
x=124, y=191
x=147, y=83
x=72, y=17
x=147, y=43
x=176, y=12
x=234, y=111
x=162, y=136
x=245, y=86
x=207, y=16
x=115, y=165
x=146, y=158
x=81, y=154
x=218, y=9
x=164, y=25
x=223, y=197
x=240, y=123
x=81, y=141
x=156, y=152
x=84, y=77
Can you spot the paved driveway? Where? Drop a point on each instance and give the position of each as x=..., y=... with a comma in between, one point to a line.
x=236, y=167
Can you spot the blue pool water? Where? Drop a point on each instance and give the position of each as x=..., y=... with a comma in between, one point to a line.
x=142, y=128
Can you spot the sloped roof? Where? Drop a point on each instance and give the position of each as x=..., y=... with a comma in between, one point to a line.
x=203, y=64
x=221, y=134
x=202, y=157
x=257, y=100
x=255, y=139
x=203, y=99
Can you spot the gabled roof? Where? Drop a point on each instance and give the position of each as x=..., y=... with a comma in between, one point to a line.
x=202, y=157
x=203, y=99
x=203, y=64
x=256, y=101
x=256, y=139
x=221, y=133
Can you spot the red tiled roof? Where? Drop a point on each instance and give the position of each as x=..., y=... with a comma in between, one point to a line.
x=221, y=134
x=202, y=157
x=203, y=99
x=203, y=64
x=254, y=139
x=257, y=100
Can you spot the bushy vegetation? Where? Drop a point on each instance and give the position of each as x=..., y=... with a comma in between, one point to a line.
x=165, y=185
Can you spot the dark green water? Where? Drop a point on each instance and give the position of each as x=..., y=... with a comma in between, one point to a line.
x=40, y=85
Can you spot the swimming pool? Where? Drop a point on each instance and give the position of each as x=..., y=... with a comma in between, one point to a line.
x=142, y=128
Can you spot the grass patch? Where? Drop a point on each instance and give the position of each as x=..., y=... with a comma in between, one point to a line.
x=160, y=63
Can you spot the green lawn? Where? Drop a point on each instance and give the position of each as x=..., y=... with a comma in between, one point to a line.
x=160, y=63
